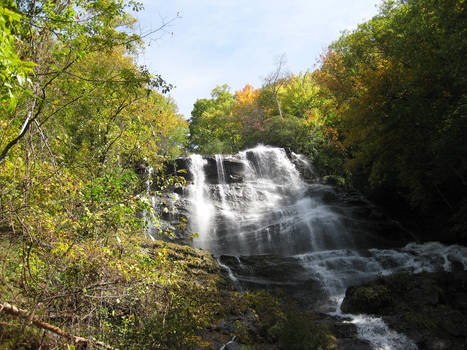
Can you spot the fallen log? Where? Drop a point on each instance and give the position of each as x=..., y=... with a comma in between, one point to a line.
x=15, y=311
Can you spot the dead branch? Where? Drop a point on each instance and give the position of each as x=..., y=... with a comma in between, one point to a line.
x=15, y=311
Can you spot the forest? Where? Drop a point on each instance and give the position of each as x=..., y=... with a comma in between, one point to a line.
x=385, y=113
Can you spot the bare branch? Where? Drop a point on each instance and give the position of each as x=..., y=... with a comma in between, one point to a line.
x=276, y=79
x=15, y=311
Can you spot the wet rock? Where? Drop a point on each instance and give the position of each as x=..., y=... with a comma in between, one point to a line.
x=456, y=264
x=344, y=332
x=431, y=308
x=231, y=345
x=234, y=169
x=210, y=170
x=179, y=167
x=373, y=299
x=288, y=152
x=327, y=193
x=329, y=196
x=279, y=275
x=235, y=178
x=435, y=344
x=353, y=344
x=250, y=156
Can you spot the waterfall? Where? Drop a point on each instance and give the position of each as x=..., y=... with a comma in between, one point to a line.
x=269, y=212
x=148, y=214
x=265, y=209
x=220, y=169
x=201, y=207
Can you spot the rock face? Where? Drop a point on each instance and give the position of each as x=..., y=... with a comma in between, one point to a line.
x=360, y=216
x=431, y=308
x=267, y=272
x=252, y=192
x=179, y=167
x=232, y=167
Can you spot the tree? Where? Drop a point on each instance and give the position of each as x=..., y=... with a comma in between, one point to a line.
x=56, y=36
x=212, y=127
x=275, y=80
x=14, y=72
x=70, y=190
x=400, y=84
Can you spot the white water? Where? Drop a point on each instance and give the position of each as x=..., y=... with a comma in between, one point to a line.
x=229, y=342
x=148, y=214
x=377, y=333
x=231, y=275
x=338, y=269
x=201, y=208
x=273, y=212
x=220, y=169
x=267, y=209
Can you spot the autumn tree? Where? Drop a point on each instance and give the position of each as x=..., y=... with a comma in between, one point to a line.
x=70, y=146
x=251, y=117
x=400, y=84
x=212, y=128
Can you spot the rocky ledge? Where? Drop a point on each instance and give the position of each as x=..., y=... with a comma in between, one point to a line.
x=233, y=167
x=430, y=308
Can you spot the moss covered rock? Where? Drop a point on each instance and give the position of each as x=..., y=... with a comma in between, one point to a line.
x=431, y=308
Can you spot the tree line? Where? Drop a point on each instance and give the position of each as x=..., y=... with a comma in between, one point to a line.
x=385, y=113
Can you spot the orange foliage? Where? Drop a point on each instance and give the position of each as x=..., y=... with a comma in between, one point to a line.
x=246, y=96
x=246, y=110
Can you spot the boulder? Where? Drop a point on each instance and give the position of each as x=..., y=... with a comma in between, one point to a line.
x=431, y=308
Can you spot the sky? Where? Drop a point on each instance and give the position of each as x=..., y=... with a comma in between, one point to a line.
x=238, y=42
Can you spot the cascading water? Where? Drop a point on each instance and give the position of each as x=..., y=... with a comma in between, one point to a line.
x=271, y=228
x=201, y=207
x=148, y=215
x=220, y=169
x=268, y=212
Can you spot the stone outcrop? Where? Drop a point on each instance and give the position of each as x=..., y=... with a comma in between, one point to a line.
x=179, y=167
x=361, y=216
x=268, y=271
x=300, y=237
x=430, y=308
x=233, y=169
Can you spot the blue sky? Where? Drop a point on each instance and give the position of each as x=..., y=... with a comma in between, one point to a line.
x=217, y=42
